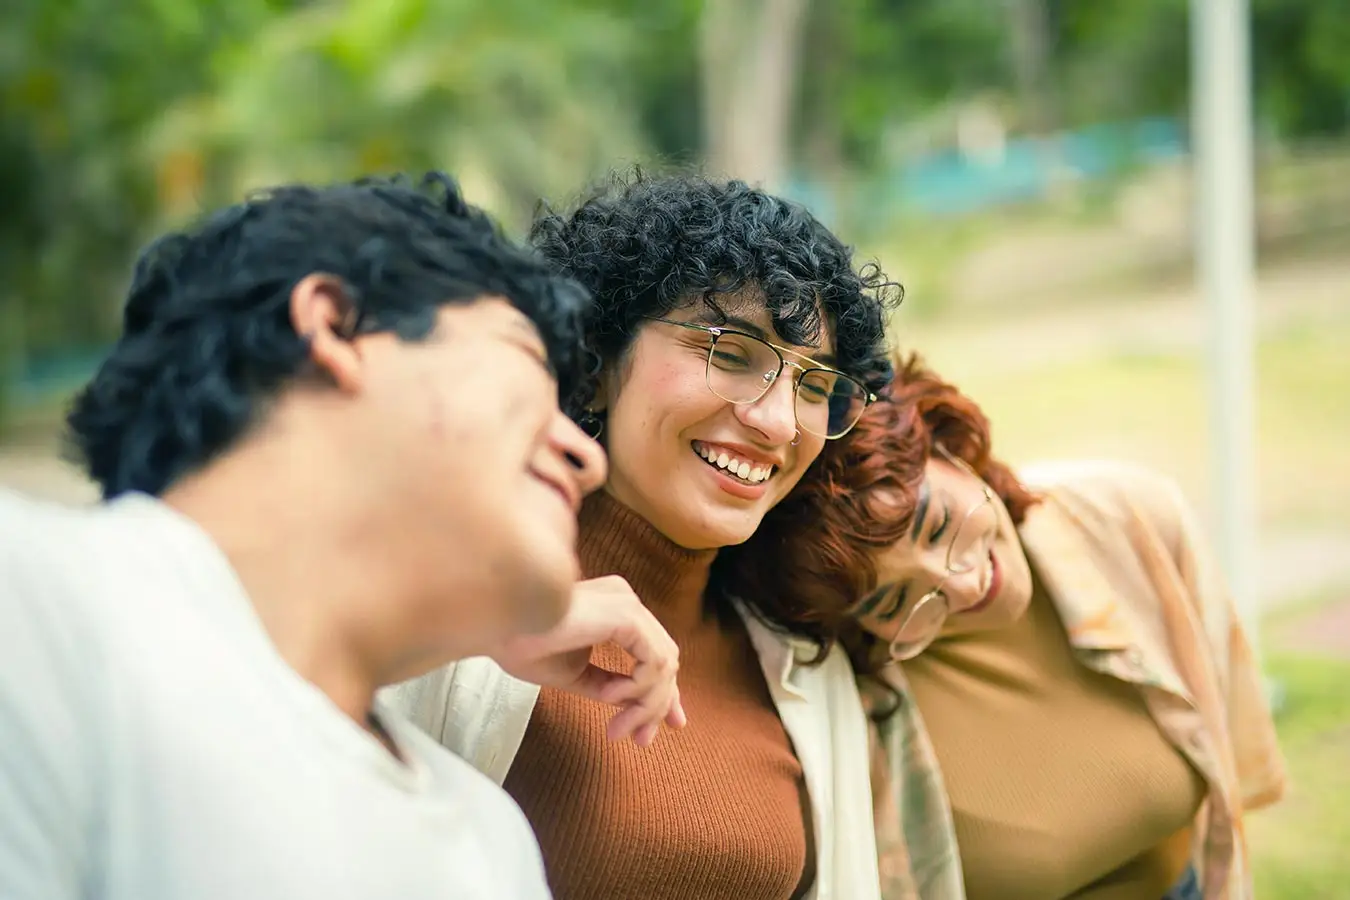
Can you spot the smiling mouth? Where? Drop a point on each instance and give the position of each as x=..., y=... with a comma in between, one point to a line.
x=744, y=471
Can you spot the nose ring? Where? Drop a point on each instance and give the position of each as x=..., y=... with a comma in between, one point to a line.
x=796, y=437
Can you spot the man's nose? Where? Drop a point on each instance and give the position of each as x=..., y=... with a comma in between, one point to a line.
x=584, y=455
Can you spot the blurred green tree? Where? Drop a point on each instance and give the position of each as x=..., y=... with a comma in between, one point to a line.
x=521, y=99
x=80, y=81
x=1302, y=69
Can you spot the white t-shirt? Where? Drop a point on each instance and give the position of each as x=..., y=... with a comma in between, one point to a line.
x=154, y=746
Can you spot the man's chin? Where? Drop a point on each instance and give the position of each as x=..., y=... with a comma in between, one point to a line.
x=541, y=608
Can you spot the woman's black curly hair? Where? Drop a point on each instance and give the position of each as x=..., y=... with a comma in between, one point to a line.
x=645, y=245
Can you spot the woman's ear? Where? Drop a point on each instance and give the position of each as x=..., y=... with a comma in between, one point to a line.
x=603, y=398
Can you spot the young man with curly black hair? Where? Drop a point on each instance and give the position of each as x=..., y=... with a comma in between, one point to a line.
x=332, y=458
x=735, y=339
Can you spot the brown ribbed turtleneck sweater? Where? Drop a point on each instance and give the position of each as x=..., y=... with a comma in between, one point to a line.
x=716, y=809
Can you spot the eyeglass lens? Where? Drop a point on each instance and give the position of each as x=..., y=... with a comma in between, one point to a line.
x=741, y=369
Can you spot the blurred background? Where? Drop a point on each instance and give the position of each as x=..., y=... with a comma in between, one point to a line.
x=1023, y=166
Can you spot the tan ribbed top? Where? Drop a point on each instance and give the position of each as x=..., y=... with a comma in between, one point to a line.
x=1061, y=784
x=715, y=810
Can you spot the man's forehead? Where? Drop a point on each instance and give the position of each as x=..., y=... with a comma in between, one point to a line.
x=497, y=313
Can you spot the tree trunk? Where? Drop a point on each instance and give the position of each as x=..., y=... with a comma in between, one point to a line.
x=749, y=51
x=12, y=333
x=1029, y=32
x=823, y=130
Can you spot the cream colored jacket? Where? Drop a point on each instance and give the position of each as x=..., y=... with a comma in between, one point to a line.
x=478, y=711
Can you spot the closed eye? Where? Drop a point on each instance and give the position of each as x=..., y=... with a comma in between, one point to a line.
x=941, y=526
x=894, y=603
x=539, y=356
x=730, y=358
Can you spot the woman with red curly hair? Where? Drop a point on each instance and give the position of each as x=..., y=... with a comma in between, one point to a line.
x=1057, y=680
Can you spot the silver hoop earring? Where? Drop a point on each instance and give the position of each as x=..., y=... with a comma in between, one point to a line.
x=592, y=424
x=796, y=437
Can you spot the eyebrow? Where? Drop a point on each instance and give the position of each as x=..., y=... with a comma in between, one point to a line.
x=708, y=317
x=533, y=341
x=872, y=600
x=526, y=329
x=921, y=511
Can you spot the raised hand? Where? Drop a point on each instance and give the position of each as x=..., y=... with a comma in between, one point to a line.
x=606, y=610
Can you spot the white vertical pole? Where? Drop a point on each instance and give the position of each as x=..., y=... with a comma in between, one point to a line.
x=1225, y=259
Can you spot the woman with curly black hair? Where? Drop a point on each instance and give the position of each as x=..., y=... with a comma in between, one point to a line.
x=734, y=338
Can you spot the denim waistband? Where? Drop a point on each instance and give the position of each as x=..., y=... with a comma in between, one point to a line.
x=1186, y=888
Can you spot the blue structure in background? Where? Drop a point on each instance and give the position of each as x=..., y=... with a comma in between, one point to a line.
x=55, y=373
x=950, y=183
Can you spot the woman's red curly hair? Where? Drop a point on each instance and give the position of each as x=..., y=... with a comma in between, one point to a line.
x=818, y=545
x=957, y=423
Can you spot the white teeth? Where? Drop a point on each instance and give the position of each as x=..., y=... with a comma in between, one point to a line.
x=740, y=468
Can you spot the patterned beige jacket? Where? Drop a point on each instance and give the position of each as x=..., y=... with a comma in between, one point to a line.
x=1142, y=600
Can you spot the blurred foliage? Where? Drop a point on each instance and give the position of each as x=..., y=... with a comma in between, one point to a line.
x=1302, y=69
x=522, y=99
x=118, y=118
x=78, y=84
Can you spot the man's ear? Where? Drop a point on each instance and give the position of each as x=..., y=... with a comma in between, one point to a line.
x=322, y=313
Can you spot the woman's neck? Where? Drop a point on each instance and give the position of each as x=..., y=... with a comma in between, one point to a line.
x=669, y=579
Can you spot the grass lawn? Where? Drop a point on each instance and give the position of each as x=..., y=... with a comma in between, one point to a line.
x=1301, y=847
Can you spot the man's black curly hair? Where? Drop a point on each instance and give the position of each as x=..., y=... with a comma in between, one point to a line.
x=646, y=245
x=207, y=337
